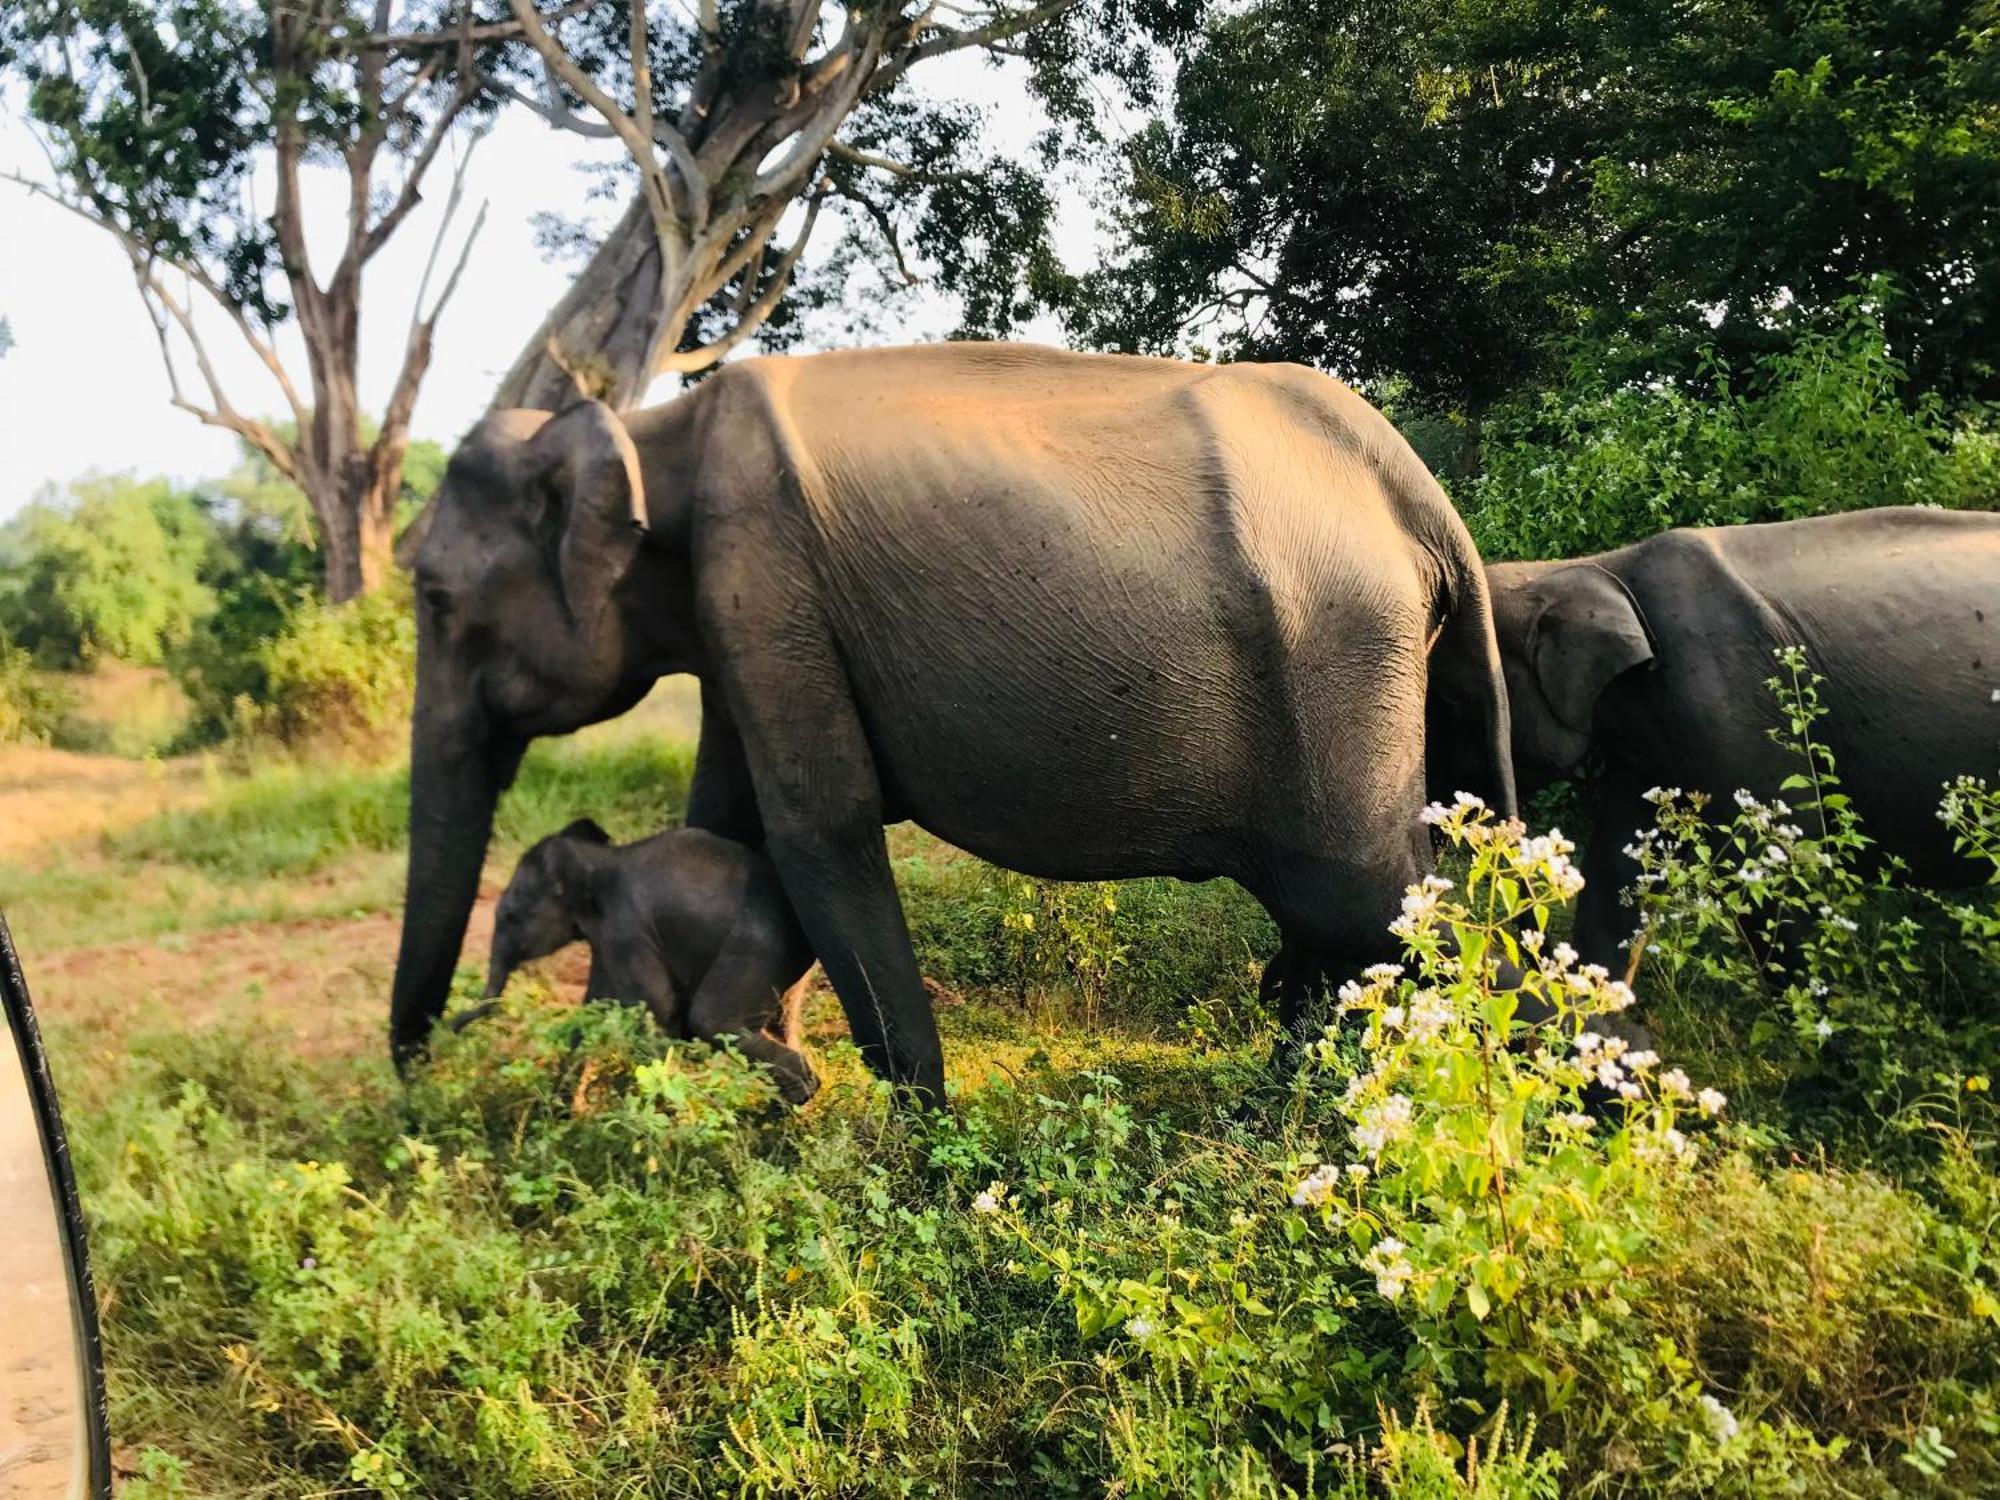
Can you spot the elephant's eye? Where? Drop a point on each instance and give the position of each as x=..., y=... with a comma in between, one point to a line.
x=438, y=600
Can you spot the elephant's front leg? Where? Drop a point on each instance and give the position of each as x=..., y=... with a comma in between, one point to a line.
x=1604, y=923
x=820, y=802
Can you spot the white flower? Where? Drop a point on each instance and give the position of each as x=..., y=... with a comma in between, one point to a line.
x=1382, y=1122
x=1638, y=1062
x=1532, y=939
x=1358, y=1171
x=1393, y=1017
x=1317, y=1186
x=1387, y=1264
x=1774, y=856
x=1611, y=1075
x=1674, y=1084
x=1823, y=1028
x=1382, y=973
x=1430, y=1013
x=990, y=1201
x=1750, y=875
x=1712, y=1101
x=1564, y=955
x=1679, y=1144
x=1587, y=1042
x=1722, y=1423
x=1139, y=1327
x=1576, y=1120
x=1628, y=1090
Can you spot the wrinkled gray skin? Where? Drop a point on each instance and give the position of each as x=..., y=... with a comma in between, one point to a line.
x=1088, y=617
x=1656, y=657
x=692, y=926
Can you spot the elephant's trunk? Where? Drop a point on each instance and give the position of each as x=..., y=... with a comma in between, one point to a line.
x=456, y=777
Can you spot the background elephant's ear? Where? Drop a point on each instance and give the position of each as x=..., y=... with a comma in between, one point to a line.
x=588, y=830
x=1587, y=633
x=588, y=469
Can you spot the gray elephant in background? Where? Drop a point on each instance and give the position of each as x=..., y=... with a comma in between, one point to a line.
x=1087, y=617
x=692, y=926
x=1655, y=659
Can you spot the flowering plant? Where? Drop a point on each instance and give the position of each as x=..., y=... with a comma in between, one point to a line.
x=1476, y=1164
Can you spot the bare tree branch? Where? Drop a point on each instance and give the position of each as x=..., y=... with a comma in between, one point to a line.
x=496, y=31
x=412, y=193
x=690, y=361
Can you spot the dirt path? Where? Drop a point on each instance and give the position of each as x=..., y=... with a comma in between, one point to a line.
x=324, y=980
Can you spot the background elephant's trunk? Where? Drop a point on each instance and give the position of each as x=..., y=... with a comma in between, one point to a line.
x=455, y=781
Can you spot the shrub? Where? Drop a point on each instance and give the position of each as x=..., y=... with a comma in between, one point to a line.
x=113, y=569
x=1822, y=971
x=32, y=709
x=1820, y=426
x=339, y=674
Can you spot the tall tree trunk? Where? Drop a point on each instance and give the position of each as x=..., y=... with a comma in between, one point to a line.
x=597, y=339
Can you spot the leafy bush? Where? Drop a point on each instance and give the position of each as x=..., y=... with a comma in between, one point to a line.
x=32, y=709
x=111, y=569
x=1821, y=970
x=1820, y=426
x=339, y=675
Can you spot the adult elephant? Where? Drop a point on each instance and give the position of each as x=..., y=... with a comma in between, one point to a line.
x=1655, y=658
x=1085, y=616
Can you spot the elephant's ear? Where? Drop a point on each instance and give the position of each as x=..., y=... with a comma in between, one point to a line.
x=585, y=466
x=1587, y=633
x=587, y=830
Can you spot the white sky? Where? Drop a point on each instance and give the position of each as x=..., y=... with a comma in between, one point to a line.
x=83, y=388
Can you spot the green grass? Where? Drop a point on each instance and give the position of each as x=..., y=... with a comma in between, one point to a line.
x=575, y=1259
x=289, y=819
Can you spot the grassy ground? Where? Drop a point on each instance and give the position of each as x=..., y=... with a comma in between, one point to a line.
x=575, y=1261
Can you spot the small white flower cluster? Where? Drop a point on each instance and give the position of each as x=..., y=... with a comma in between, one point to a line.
x=1463, y=804
x=1603, y=1056
x=1420, y=906
x=1661, y=794
x=1834, y=919
x=992, y=1200
x=1593, y=981
x=1549, y=853
x=1383, y=1122
x=1317, y=1186
x=1389, y=1265
x=1667, y=1145
x=1379, y=978
x=1430, y=1013
x=1722, y=1423
x=1139, y=1326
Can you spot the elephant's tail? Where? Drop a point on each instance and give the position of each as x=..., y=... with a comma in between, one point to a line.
x=1471, y=738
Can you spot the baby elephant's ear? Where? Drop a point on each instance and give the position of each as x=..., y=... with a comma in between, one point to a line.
x=586, y=831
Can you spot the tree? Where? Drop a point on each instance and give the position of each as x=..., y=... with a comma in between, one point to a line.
x=1453, y=193
x=113, y=569
x=746, y=119
x=156, y=116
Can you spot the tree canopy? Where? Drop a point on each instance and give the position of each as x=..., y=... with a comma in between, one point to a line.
x=1454, y=193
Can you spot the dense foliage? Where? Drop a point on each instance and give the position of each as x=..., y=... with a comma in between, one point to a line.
x=1450, y=192
x=1828, y=424
x=575, y=1258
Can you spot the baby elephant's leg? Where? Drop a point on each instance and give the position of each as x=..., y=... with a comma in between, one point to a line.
x=740, y=994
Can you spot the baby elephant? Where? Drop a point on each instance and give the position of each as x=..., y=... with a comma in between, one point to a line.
x=694, y=926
